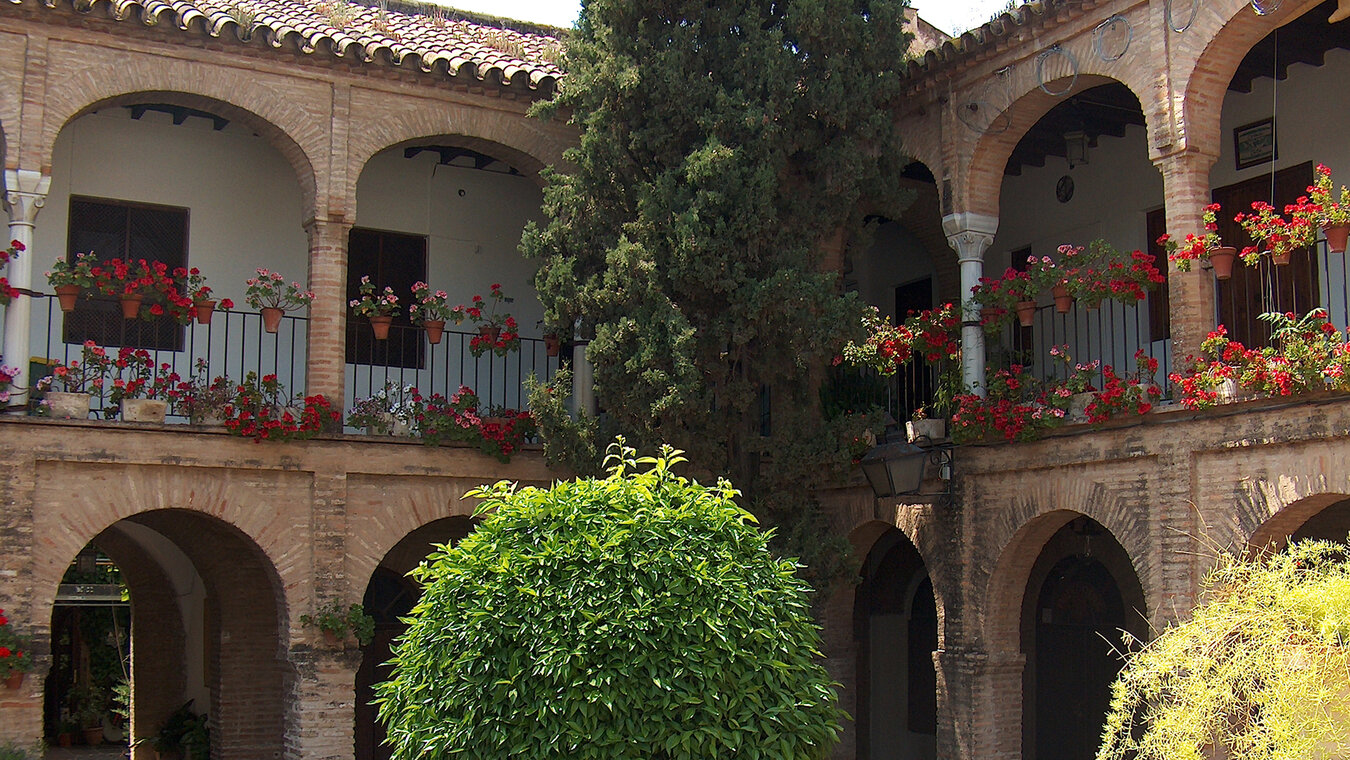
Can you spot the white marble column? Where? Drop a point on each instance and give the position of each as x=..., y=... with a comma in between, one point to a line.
x=583, y=381
x=25, y=194
x=970, y=235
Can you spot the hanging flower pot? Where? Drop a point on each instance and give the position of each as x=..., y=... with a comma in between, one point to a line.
x=435, y=328
x=1336, y=237
x=271, y=317
x=144, y=410
x=1281, y=258
x=380, y=325
x=1063, y=301
x=990, y=314
x=68, y=406
x=1221, y=259
x=205, y=308
x=67, y=295
x=14, y=681
x=1026, y=313
x=552, y=344
x=131, y=306
x=490, y=332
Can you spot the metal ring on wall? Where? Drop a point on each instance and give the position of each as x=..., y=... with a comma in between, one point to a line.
x=1265, y=7
x=972, y=114
x=1171, y=22
x=1045, y=55
x=1099, y=34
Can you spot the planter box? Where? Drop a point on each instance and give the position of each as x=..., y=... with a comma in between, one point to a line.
x=933, y=430
x=68, y=406
x=144, y=410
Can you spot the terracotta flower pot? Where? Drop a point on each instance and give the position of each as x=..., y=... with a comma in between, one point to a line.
x=489, y=332
x=380, y=326
x=68, y=406
x=990, y=314
x=205, y=308
x=66, y=295
x=271, y=317
x=1280, y=259
x=331, y=639
x=1221, y=259
x=435, y=328
x=1336, y=237
x=64, y=739
x=1063, y=301
x=552, y=344
x=14, y=681
x=131, y=306
x=144, y=410
x=93, y=736
x=1026, y=313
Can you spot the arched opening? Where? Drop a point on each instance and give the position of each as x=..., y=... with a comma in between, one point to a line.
x=1081, y=594
x=207, y=640
x=222, y=192
x=895, y=627
x=447, y=211
x=1322, y=516
x=390, y=596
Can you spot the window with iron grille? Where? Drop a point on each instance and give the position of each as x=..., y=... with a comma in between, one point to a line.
x=112, y=229
x=395, y=260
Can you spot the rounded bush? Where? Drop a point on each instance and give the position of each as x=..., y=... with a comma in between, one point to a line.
x=636, y=616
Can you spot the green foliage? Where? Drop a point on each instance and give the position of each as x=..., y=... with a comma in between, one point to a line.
x=1260, y=672
x=723, y=148
x=333, y=618
x=185, y=732
x=636, y=616
x=12, y=751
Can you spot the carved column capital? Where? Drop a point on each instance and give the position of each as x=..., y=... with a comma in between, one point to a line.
x=25, y=194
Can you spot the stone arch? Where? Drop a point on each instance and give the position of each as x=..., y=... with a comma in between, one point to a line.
x=946, y=579
x=280, y=110
x=527, y=144
x=245, y=642
x=990, y=151
x=1215, y=44
x=1018, y=535
x=1275, y=531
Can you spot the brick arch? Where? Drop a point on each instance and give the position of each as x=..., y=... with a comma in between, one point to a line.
x=946, y=578
x=989, y=154
x=1275, y=531
x=286, y=119
x=1222, y=34
x=527, y=144
x=1018, y=535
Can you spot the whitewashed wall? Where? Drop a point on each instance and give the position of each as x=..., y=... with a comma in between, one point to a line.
x=895, y=258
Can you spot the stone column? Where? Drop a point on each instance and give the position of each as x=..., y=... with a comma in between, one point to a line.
x=25, y=194
x=583, y=381
x=1186, y=192
x=326, y=358
x=970, y=235
x=979, y=704
x=319, y=721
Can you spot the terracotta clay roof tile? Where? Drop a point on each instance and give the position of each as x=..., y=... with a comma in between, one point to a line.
x=520, y=56
x=1041, y=13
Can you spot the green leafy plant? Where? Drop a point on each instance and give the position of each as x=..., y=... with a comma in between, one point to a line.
x=1261, y=671
x=640, y=615
x=333, y=618
x=184, y=732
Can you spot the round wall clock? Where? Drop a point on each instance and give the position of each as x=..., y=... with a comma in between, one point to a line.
x=1064, y=189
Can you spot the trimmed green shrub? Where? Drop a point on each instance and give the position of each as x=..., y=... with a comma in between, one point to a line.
x=1261, y=671
x=636, y=616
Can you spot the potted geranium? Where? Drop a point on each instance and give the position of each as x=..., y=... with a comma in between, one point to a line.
x=1280, y=237
x=261, y=410
x=128, y=281
x=69, y=277
x=140, y=388
x=380, y=308
x=1323, y=210
x=15, y=655
x=335, y=622
x=272, y=297
x=1208, y=246
x=71, y=386
x=197, y=291
x=203, y=399
x=432, y=310
x=390, y=411
x=496, y=330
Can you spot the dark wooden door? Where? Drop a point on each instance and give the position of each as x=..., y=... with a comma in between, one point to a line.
x=1253, y=291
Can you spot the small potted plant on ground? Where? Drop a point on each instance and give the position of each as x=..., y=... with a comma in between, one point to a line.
x=261, y=410
x=390, y=411
x=272, y=297
x=203, y=399
x=1208, y=246
x=71, y=386
x=15, y=658
x=380, y=308
x=432, y=310
x=335, y=622
x=921, y=428
x=184, y=736
x=89, y=703
x=69, y=277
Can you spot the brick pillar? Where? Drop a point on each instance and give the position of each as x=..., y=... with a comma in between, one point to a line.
x=326, y=359
x=25, y=194
x=321, y=723
x=21, y=710
x=970, y=235
x=1186, y=192
x=979, y=704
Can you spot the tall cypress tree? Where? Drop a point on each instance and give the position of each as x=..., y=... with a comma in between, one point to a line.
x=725, y=148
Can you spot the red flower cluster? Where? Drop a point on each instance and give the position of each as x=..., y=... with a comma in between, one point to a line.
x=934, y=334
x=165, y=292
x=9, y=292
x=261, y=411
x=14, y=657
x=507, y=338
x=458, y=419
x=1120, y=395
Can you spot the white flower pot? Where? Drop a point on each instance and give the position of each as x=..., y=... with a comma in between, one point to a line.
x=933, y=430
x=144, y=410
x=68, y=406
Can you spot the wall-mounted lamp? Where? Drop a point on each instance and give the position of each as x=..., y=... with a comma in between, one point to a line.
x=895, y=468
x=1076, y=147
